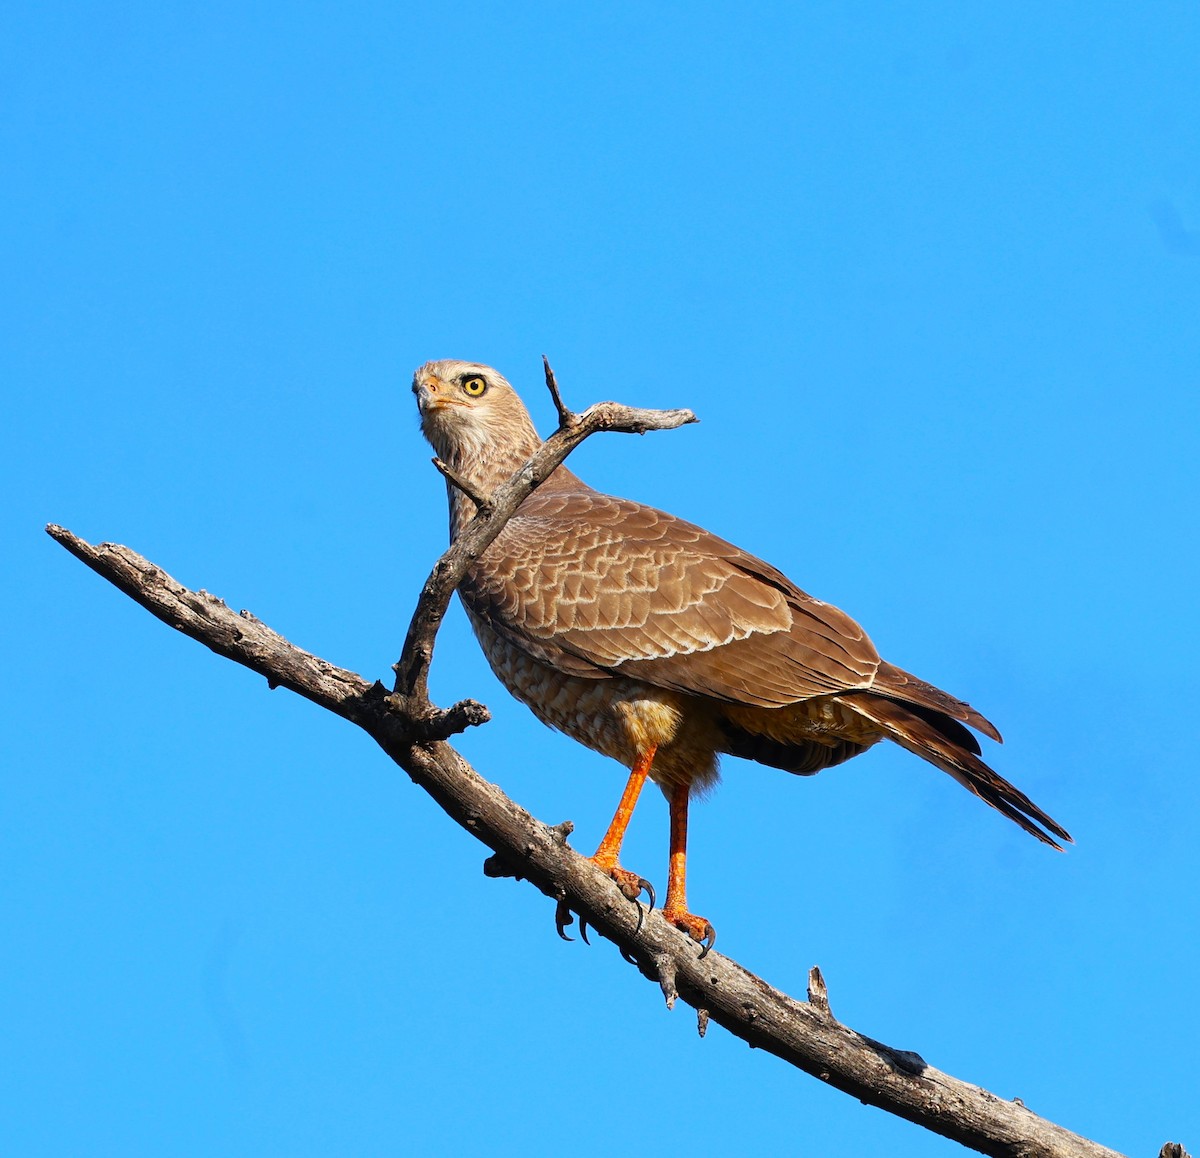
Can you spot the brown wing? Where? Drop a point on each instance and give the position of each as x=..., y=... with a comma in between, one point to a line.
x=595, y=585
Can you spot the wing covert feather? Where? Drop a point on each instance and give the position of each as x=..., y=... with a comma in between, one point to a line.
x=597, y=585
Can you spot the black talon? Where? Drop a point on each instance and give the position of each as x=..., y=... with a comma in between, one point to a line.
x=641, y=916
x=650, y=889
x=563, y=918
x=583, y=929
x=627, y=955
x=710, y=939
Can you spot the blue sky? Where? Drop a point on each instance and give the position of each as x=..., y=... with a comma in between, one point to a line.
x=930, y=276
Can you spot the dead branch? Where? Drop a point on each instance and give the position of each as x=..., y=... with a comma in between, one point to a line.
x=412, y=732
x=805, y=1034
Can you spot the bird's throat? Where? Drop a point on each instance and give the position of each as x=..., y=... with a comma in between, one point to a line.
x=485, y=472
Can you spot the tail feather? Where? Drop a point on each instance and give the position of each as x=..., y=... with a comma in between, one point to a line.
x=914, y=727
x=958, y=733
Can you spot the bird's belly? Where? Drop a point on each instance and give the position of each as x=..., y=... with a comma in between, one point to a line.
x=616, y=716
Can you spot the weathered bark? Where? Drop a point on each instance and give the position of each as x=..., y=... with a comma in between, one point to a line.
x=413, y=732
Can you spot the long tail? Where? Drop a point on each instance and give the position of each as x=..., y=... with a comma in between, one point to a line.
x=946, y=744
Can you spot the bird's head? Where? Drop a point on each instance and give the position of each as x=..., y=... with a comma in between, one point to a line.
x=472, y=417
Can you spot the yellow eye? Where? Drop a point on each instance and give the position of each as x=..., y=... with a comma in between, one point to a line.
x=474, y=386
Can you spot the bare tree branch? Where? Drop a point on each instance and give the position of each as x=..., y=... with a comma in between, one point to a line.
x=482, y=502
x=564, y=415
x=805, y=1034
x=412, y=732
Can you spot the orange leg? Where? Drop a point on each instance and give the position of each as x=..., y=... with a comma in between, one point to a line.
x=610, y=847
x=606, y=855
x=675, y=909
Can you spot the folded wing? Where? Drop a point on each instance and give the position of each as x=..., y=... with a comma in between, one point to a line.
x=596, y=585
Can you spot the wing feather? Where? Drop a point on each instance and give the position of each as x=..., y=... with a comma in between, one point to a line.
x=599, y=585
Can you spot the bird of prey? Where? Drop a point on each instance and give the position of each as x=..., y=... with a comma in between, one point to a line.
x=659, y=644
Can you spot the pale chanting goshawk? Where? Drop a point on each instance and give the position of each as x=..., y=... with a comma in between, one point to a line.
x=654, y=642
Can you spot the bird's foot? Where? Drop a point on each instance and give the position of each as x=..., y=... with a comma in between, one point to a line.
x=630, y=884
x=695, y=927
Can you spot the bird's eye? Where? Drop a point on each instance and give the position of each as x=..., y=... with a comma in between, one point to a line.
x=474, y=386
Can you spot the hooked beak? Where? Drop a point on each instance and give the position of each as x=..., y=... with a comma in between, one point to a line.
x=426, y=391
